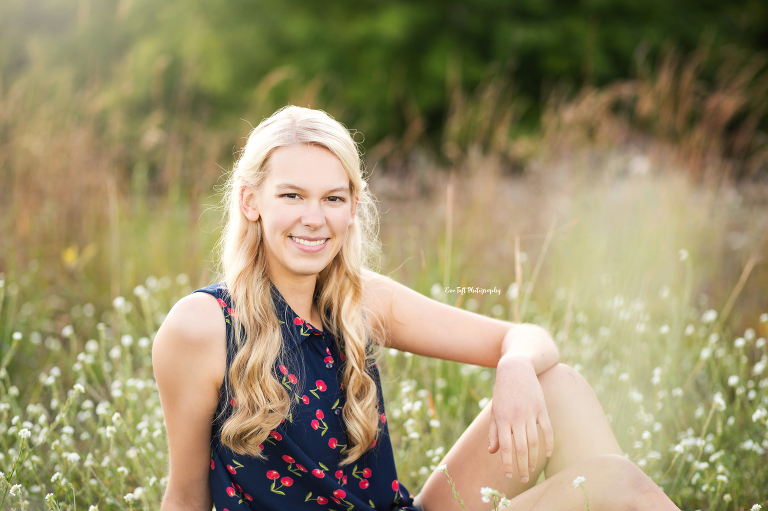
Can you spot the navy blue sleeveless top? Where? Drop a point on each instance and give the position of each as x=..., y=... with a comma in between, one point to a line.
x=301, y=471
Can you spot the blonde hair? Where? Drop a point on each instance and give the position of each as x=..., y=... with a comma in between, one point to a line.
x=262, y=402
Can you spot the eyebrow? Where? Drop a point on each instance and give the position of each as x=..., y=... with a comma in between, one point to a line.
x=289, y=186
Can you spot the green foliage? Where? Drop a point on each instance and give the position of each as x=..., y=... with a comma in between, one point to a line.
x=375, y=64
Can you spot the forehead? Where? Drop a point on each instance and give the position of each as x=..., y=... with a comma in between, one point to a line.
x=309, y=167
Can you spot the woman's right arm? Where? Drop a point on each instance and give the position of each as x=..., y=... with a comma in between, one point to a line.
x=189, y=361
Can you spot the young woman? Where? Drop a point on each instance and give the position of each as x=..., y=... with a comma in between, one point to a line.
x=268, y=380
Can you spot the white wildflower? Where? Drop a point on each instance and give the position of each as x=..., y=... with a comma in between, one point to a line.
x=16, y=490
x=682, y=254
x=129, y=497
x=79, y=388
x=578, y=481
x=718, y=401
x=709, y=316
x=733, y=380
x=25, y=433
x=486, y=493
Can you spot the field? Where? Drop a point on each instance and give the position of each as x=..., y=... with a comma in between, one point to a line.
x=648, y=274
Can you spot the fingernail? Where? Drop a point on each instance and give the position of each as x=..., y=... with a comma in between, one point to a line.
x=524, y=479
x=509, y=476
x=531, y=469
x=549, y=453
x=489, y=448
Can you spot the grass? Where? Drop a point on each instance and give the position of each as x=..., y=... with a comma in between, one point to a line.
x=685, y=388
x=634, y=249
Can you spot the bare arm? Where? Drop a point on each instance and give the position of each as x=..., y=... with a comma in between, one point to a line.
x=423, y=326
x=189, y=360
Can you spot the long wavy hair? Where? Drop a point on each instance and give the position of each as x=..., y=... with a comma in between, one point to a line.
x=262, y=402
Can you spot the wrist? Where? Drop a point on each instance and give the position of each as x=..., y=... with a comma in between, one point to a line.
x=515, y=360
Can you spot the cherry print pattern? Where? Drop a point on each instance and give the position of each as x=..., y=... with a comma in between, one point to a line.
x=290, y=451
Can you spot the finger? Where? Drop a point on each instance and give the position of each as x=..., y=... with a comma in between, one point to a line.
x=506, y=447
x=493, y=438
x=549, y=437
x=521, y=450
x=533, y=446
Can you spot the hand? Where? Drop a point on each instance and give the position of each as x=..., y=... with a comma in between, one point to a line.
x=518, y=404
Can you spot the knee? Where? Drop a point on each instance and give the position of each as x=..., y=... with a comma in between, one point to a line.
x=563, y=376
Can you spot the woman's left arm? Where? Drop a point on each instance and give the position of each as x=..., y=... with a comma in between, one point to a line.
x=519, y=352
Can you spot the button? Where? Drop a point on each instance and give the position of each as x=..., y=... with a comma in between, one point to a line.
x=337, y=411
x=329, y=365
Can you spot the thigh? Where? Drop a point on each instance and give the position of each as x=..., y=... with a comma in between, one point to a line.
x=472, y=467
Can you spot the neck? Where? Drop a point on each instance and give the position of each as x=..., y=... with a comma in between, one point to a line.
x=298, y=292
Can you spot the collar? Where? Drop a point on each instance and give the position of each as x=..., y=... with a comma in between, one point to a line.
x=295, y=329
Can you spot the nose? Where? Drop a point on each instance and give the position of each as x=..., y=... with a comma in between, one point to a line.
x=313, y=216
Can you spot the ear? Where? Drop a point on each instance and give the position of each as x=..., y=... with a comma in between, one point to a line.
x=354, y=211
x=247, y=203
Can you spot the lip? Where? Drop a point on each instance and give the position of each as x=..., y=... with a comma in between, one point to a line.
x=305, y=248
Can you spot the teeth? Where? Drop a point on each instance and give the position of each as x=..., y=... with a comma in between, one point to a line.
x=308, y=243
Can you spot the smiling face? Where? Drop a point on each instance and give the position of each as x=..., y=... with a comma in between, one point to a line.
x=305, y=208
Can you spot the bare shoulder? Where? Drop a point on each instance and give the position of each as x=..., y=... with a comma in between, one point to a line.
x=194, y=332
x=377, y=298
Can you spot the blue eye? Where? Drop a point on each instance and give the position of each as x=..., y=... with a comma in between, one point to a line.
x=334, y=197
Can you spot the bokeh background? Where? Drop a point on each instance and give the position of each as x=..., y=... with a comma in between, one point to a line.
x=603, y=164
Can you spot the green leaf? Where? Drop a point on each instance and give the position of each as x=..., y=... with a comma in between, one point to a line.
x=324, y=467
x=307, y=497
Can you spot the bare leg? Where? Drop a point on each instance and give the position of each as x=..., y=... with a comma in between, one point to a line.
x=584, y=446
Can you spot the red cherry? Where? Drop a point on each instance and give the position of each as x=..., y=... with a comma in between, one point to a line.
x=336, y=500
x=238, y=487
x=231, y=311
x=319, y=414
x=364, y=484
x=301, y=468
x=288, y=459
x=231, y=469
x=305, y=399
x=327, y=351
x=222, y=303
x=322, y=500
x=321, y=385
x=283, y=369
x=292, y=378
x=373, y=444
x=332, y=443
x=366, y=472
x=395, y=485
x=342, y=356
x=276, y=435
x=339, y=494
x=298, y=321
x=231, y=491
x=315, y=424
x=383, y=418
x=339, y=474
x=328, y=359
x=344, y=480
x=212, y=465
x=318, y=473
x=287, y=481
x=272, y=474
x=261, y=446
x=247, y=497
